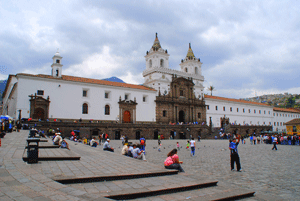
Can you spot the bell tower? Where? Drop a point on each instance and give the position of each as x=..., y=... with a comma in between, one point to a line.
x=56, y=66
x=157, y=57
x=191, y=66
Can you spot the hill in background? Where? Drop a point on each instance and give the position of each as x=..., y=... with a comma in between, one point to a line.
x=114, y=79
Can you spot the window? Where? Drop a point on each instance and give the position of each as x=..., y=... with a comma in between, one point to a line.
x=186, y=70
x=84, y=93
x=56, y=72
x=181, y=92
x=294, y=129
x=274, y=114
x=254, y=111
x=264, y=122
x=274, y=123
x=270, y=123
x=161, y=63
x=107, y=110
x=223, y=108
x=216, y=107
x=244, y=110
x=85, y=108
x=230, y=109
x=277, y=114
x=126, y=97
x=277, y=123
x=269, y=112
x=164, y=113
x=207, y=107
x=280, y=114
x=57, y=61
x=264, y=111
x=237, y=109
x=106, y=95
x=144, y=99
x=199, y=115
x=280, y=123
x=249, y=110
x=150, y=63
x=259, y=111
x=40, y=92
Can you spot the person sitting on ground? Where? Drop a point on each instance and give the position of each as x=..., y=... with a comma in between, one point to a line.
x=106, y=146
x=129, y=152
x=93, y=143
x=137, y=153
x=64, y=144
x=172, y=161
x=124, y=150
x=58, y=139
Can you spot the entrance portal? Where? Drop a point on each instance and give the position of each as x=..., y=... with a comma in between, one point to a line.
x=117, y=135
x=39, y=113
x=126, y=118
x=137, y=135
x=155, y=135
x=181, y=116
x=182, y=135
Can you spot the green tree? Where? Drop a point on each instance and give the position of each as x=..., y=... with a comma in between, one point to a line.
x=211, y=88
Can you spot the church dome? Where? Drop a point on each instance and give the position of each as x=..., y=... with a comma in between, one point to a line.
x=156, y=44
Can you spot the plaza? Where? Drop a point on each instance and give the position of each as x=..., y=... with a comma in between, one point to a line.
x=272, y=175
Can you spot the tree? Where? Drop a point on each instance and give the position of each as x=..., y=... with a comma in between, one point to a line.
x=211, y=88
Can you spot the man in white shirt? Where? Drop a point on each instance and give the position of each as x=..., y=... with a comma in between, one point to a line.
x=137, y=153
x=193, y=146
x=274, y=143
x=58, y=139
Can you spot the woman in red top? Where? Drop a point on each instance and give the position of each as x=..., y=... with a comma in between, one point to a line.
x=172, y=162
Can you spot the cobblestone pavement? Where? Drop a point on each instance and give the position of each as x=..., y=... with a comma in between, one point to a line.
x=263, y=170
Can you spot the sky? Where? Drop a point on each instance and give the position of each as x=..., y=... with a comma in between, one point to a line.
x=247, y=48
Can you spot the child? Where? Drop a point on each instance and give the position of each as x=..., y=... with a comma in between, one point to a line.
x=159, y=146
x=188, y=144
x=178, y=146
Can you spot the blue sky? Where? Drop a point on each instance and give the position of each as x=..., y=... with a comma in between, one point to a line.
x=246, y=47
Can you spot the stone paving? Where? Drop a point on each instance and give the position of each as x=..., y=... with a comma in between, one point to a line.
x=267, y=172
x=263, y=170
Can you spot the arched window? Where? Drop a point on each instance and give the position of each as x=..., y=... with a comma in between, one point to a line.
x=107, y=110
x=85, y=108
x=196, y=70
x=161, y=63
x=186, y=70
x=164, y=113
x=57, y=61
x=56, y=72
x=150, y=63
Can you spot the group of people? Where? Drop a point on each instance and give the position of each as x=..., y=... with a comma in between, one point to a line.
x=134, y=151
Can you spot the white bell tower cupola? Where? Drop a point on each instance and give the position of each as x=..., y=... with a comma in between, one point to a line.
x=56, y=66
x=190, y=64
x=157, y=57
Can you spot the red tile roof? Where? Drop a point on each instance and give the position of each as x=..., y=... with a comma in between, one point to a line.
x=92, y=81
x=286, y=110
x=235, y=100
x=292, y=122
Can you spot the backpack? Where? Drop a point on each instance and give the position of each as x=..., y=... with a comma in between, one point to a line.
x=142, y=142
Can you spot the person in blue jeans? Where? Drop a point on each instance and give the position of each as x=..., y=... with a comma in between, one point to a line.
x=234, y=155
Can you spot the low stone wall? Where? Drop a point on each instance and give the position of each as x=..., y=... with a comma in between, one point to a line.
x=133, y=131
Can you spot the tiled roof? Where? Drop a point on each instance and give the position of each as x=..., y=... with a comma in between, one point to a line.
x=292, y=122
x=286, y=110
x=235, y=100
x=92, y=81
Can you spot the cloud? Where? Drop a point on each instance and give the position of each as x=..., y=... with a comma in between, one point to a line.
x=244, y=46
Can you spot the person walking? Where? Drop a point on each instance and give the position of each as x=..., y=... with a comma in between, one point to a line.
x=143, y=143
x=193, y=146
x=274, y=143
x=234, y=156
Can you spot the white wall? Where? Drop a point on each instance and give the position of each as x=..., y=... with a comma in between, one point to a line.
x=265, y=117
x=67, y=99
x=281, y=117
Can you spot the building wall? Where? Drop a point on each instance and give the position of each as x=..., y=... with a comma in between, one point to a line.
x=258, y=115
x=281, y=117
x=67, y=99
